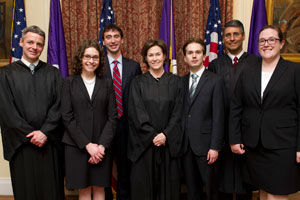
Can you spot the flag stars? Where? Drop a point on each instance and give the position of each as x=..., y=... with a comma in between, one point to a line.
x=21, y=9
x=16, y=36
x=109, y=17
x=102, y=20
x=18, y=23
x=216, y=25
x=219, y=21
x=13, y=49
x=220, y=42
x=109, y=8
x=207, y=32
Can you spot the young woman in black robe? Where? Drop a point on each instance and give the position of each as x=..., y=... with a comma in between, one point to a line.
x=155, y=134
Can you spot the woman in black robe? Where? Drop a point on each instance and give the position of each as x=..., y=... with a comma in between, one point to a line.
x=89, y=113
x=155, y=134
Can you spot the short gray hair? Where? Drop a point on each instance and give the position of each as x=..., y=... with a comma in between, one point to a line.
x=33, y=29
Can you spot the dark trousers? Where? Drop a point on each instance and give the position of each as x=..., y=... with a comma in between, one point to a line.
x=227, y=196
x=199, y=174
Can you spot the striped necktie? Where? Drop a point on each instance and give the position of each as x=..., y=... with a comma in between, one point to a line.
x=118, y=88
x=194, y=85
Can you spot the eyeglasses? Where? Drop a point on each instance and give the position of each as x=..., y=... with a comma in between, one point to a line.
x=270, y=41
x=229, y=35
x=88, y=57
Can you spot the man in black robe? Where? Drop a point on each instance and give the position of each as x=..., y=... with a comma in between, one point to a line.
x=30, y=121
x=229, y=66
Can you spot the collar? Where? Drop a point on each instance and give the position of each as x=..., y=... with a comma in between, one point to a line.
x=111, y=60
x=27, y=63
x=199, y=72
x=231, y=56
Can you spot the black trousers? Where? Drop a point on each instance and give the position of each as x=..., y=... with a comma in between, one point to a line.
x=199, y=174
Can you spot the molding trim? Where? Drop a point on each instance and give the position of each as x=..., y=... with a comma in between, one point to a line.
x=6, y=187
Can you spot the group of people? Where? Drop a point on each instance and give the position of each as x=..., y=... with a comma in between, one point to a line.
x=229, y=129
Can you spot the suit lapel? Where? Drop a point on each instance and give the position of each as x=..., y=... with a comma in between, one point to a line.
x=107, y=69
x=257, y=80
x=125, y=73
x=201, y=82
x=80, y=82
x=279, y=70
x=96, y=88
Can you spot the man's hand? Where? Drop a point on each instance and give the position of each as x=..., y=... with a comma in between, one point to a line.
x=237, y=148
x=37, y=138
x=298, y=157
x=212, y=156
x=159, y=140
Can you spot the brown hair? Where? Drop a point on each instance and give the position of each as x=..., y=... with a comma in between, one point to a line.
x=152, y=43
x=77, y=60
x=194, y=40
x=112, y=27
x=276, y=28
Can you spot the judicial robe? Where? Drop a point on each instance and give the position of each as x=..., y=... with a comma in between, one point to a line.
x=30, y=102
x=155, y=106
x=231, y=172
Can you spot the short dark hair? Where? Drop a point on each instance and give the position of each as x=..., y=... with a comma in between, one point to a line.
x=77, y=60
x=194, y=40
x=235, y=23
x=276, y=28
x=111, y=27
x=33, y=29
x=152, y=43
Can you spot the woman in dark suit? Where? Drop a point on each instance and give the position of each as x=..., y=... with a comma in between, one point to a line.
x=265, y=119
x=89, y=114
x=155, y=135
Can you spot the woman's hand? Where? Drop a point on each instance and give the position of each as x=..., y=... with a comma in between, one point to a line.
x=94, y=152
x=159, y=140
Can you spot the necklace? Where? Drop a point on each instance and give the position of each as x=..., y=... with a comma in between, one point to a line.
x=89, y=82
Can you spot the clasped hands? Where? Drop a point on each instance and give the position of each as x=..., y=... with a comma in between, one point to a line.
x=96, y=152
x=38, y=138
x=159, y=139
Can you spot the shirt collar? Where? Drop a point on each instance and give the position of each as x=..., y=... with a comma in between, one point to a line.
x=111, y=59
x=238, y=56
x=27, y=63
x=199, y=72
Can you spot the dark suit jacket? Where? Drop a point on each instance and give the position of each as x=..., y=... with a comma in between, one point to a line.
x=129, y=71
x=88, y=120
x=204, y=114
x=274, y=120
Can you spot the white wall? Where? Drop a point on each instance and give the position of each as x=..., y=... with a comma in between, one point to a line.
x=37, y=13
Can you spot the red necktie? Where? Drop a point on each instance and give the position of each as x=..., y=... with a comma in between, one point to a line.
x=118, y=88
x=235, y=60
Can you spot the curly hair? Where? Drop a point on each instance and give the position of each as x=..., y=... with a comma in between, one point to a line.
x=152, y=43
x=77, y=60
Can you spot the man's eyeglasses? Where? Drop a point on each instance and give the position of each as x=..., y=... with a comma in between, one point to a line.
x=229, y=35
x=270, y=41
x=88, y=57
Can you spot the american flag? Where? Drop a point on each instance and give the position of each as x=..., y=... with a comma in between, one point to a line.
x=107, y=17
x=18, y=24
x=213, y=36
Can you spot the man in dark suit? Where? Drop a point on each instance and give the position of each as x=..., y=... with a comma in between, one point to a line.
x=229, y=68
x=203, y=123
x=112, y=37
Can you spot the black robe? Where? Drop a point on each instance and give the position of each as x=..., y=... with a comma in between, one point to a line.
x=27, y=103
x=231, y=170
x=155, y=106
